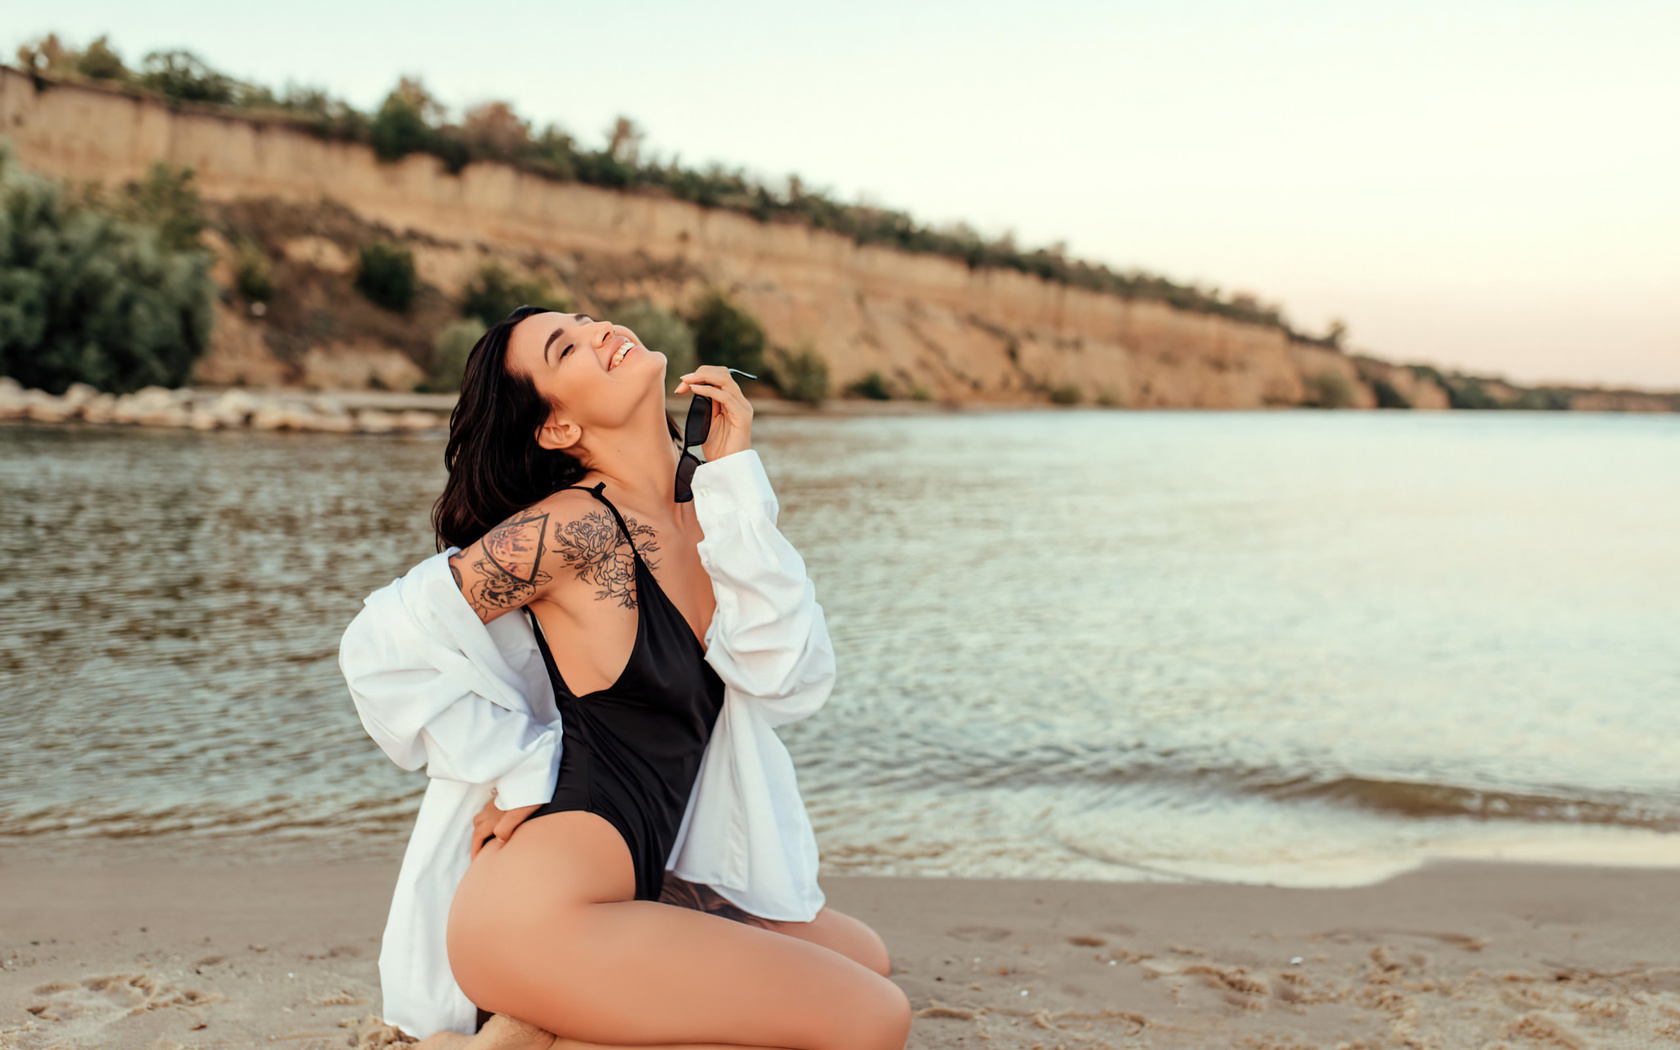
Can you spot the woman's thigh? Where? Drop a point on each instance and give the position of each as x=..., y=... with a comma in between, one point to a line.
x=834, y=930
x=837, y=931
x=544, y=929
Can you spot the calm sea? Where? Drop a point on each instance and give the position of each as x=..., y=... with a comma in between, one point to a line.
x=1292, y=647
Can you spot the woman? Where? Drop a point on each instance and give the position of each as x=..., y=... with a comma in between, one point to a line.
x=617, y=724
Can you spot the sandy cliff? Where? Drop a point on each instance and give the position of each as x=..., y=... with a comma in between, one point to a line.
x=928, y=324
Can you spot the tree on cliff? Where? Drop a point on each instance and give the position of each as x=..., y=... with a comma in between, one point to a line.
x=114, y=293
x=725, y=334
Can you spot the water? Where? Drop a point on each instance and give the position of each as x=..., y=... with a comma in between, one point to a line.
x=1305, y=648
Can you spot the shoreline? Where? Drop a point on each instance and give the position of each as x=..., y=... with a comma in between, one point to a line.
x=187, y=954
x=286, y=409
x=364, y=411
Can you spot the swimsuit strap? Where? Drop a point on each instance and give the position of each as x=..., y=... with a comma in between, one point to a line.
x=595, y=490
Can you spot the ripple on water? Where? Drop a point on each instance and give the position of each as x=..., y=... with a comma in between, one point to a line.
x=1300, y=647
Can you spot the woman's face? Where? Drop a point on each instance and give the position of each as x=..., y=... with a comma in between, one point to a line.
x=598, y=373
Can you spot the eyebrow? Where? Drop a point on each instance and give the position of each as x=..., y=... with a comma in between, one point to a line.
x=552, y=336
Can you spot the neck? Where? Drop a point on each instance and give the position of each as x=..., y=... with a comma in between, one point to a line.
x=638, y=458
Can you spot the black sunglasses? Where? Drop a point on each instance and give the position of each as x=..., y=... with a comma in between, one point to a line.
x=696, y=429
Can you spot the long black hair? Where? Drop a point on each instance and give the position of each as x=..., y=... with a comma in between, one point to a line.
x=495, y=465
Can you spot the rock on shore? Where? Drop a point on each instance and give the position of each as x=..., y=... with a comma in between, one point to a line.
x=219, y=409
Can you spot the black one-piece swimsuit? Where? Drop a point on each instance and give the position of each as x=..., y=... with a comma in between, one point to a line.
x=630, y=752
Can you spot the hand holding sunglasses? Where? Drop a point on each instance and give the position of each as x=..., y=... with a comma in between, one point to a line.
x=719, y=421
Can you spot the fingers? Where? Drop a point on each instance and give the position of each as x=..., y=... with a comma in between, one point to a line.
x=484, y=823
x=717, y=375
x=712, y=376
x=726, y=399
x=511, y=820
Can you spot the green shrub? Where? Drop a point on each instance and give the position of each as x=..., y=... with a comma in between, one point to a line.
x=801, y=375
x=253, y=278
x=183, y=76
x=601, y=168
x=1330, y=389
x=725, y=334
x=1067, y=394
x=450, y=348
x=387, y=277
x=88, y=294
x=660, y=329
x=1541, y=399
x=99, y=62
x=166, y=201
x=1388, y=396
x=493, y=293
x=1468, y=392
x=871, y=386
x=398, y=129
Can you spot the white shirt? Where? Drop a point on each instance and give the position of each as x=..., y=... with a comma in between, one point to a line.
x=472, y=703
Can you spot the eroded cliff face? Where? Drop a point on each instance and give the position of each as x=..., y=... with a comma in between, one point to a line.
x=929, y=325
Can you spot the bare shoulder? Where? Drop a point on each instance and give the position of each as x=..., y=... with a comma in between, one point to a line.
x=591, y=545
x=569, y=547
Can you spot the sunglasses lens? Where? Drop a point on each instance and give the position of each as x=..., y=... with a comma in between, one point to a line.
x=686, y=466
x=699, y=422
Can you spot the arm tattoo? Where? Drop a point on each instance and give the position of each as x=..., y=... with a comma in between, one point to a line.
x=510, y=572
x=589, y=546
x=700, y=897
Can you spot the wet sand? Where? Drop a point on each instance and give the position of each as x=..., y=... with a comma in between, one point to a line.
x=150, y=955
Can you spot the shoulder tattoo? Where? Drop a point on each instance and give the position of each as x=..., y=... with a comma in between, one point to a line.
x=590, y=546
x=510, y=570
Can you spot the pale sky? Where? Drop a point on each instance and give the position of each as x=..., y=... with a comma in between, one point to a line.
x=1487, y=184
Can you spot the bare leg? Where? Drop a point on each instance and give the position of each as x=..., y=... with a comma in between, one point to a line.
x=544, y=929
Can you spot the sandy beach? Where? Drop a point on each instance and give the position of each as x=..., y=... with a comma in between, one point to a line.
x=154, y=955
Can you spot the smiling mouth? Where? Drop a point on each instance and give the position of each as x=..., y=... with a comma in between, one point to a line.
x=619, y=356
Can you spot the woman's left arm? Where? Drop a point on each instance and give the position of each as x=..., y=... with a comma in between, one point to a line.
x=768, y=638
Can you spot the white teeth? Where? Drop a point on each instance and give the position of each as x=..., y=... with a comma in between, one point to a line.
x=619, y=356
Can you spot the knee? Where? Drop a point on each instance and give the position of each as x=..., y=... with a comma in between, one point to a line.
x=857, y=941
x=882, y=1021
x=872, y=952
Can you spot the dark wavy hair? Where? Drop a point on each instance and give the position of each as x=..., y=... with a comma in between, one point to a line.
x=496, y=468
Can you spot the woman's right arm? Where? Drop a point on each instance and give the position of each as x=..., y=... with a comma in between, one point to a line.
x=504, y=570
x=423, y=669
x=433, y=688
x=516, y=562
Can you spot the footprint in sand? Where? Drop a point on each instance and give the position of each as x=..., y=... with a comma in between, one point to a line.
x=77, y=1012
x=978, y=933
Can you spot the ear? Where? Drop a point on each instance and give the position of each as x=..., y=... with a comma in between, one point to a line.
x=558, y=435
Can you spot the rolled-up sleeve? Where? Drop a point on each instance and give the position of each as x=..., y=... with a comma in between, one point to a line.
x=426, y=701
x=768, y=639
x=474, y=740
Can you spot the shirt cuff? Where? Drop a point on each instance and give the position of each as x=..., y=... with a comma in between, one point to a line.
x=531, y=782
x=733, y=481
